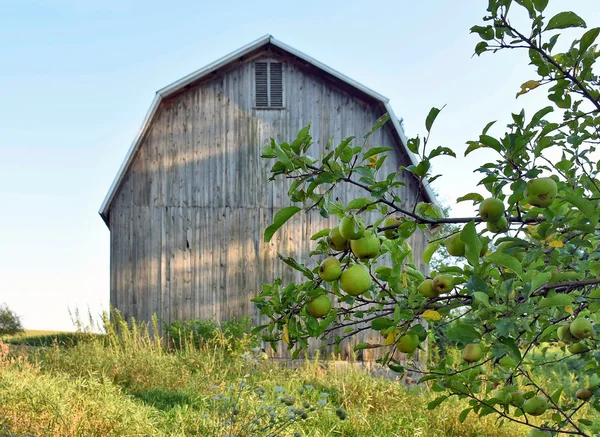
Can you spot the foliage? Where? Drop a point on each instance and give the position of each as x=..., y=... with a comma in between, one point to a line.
x=66, y=339
x=515, y=301
x=10, y=323
x=237, y=333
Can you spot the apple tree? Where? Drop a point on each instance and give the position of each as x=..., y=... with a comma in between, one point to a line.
x=526, y=292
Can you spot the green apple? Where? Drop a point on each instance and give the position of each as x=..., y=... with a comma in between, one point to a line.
x=390, y=234
x=426, y=288
x=517, y=399
x=498, y=226
x=581, y=328
x=443, y=283
x=564, y=333
x=355, y=280
x=578, y=348
x=584, y=394
x=472, y=353
x=535, y=406
x=366, y=246
x=351, y=227
x=541, y=192
x=319, y=306
x=455, y=245
x=428, y=210
x=408, y=343
x=539, y=433
x=503, y=397
x=336, y=241
x=490, y=210
x=330, y=269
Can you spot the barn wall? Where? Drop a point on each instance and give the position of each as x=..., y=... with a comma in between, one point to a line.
x=187, y=222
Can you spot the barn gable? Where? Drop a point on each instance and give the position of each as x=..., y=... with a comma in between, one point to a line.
x=233, y=60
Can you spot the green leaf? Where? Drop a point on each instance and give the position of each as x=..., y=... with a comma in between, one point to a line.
x=492, y=142
x=380, y=122
x=484, y=32
x=342, y=146
x=365, y=345
x=480, y=48
x=280, y=218
x=540, y=5
x=472, y=243
x=376, y=151
x=463, y=333
x=320, y=234
x=487, y=127
x=381, y=323
x=475, y=197
x=564, y=20
x=358, y=203
x=588, y=39
x=539, y=115
x=482, y=297
x=558, y=300
x=429, y=251
x=436, y=402
x=441, y=151
x=587, y=207
x=507, y=261
x=528, y=4
x=433, y=113
x=540, y=279
x=463, y=414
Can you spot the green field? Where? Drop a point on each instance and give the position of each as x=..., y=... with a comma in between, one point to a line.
x=129, y=385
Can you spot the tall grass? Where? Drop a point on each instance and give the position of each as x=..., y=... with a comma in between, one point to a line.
x=127, y=383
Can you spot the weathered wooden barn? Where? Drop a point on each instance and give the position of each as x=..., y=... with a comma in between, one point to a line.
x=189, y=205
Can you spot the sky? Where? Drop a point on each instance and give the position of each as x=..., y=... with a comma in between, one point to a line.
x=77, y=77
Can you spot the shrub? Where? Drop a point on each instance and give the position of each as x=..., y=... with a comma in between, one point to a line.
x=10, y=323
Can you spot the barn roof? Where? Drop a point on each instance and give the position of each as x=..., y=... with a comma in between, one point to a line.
x=180, y=84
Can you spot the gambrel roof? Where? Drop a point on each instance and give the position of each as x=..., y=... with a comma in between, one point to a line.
x=179, y=85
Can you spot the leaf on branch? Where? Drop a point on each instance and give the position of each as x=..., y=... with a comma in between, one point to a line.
x=365, y=345
x=376, y=151
x=442, y=151
x=481, y=48
x=556, y=244
x=429, y=251
x=507, y=261
x=472, y=243
x=282, y=216
x=564, y=20
x=558, y=300
x=540, y=5
x=320, y=234
x=528, y=86
x=588, y=39
x=433, y=113
x=475, y=197
x=463, y=333
x=358, y=203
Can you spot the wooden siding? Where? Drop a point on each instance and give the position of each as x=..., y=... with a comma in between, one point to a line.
x=188, y=219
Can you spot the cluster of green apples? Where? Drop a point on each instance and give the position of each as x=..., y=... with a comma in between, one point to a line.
x=356, y=279
x=491, y=211
x=573, y=333
x=440, y=284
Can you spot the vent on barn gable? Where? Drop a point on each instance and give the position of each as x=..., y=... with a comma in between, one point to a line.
x=268, y=84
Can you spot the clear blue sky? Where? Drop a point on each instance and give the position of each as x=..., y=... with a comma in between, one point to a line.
x=77, y=77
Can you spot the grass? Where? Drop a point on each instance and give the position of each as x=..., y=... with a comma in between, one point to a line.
x=129, y=385
x=46, y=338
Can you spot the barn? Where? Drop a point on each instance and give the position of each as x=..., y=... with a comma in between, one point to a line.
x=190, y=202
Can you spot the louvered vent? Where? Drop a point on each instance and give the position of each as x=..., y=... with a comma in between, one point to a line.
x=268, y=84
x=276, y=82
x=262, y=84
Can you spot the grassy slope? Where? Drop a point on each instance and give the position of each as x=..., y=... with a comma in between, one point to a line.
x=128, y=389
